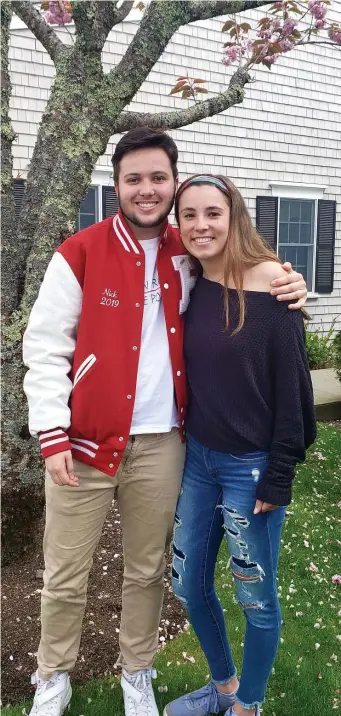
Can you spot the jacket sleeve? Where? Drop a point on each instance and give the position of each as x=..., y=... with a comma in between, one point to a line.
x=294, y=423
x=48, y=350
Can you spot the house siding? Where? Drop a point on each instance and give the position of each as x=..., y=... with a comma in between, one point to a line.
x=288, y=128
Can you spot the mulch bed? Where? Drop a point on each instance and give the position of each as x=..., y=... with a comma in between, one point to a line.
x=21, y=586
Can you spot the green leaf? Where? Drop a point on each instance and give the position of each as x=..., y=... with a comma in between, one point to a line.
x=186, y=93
x=245, y=26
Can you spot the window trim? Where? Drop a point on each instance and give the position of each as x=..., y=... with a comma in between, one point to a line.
x=312, y=192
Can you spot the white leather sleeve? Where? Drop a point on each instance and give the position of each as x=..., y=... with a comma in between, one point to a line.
x=49, y=345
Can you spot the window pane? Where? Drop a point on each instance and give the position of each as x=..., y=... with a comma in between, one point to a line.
x=284, y=210
x=287, y=253
x=295, y=210
x=86, y=220
x=88, y=213
x=294, y=233
x=306, y=234
x=306, y=210
x=283, y=233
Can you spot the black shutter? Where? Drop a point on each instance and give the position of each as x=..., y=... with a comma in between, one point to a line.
x=18, y=193
x=110, y=203
x=325, y=247
x=267, y=219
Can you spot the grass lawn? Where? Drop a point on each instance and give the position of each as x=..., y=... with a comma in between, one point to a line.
x=307, y=674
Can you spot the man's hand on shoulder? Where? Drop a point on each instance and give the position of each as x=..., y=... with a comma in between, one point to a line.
x=60, y=468
x=289, y=287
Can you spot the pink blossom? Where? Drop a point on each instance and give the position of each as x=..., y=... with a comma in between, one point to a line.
x=288, y=27
x=320, y=24
x=58, y=13
x=232, y=54
x=336, y=579
x=334, y=34
x=286, y=45
x=317, y=9
x=270, y=59
x=313, y=567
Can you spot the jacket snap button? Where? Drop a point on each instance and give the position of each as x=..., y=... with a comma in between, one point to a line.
x=115, y=454
x=138, y=263
x=120, y=439
x=111, y=464
x=134, y=348
x=129, y=397
x=166, y=285
x=178, y=372
x=172, y=330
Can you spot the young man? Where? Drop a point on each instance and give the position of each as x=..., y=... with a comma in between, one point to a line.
x=106, y=390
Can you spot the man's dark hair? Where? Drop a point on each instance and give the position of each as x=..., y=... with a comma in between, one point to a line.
x=145, y=138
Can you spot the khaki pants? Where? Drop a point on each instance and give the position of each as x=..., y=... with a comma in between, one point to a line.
x=148, y=483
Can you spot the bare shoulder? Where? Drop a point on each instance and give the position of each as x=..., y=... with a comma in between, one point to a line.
x=260, y=276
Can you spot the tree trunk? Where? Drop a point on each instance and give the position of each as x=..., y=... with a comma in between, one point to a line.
x=75, y=126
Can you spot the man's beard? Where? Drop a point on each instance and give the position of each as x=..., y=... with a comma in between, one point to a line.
x=144, y=224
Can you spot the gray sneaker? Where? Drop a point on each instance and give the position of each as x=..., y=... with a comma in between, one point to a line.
x=204, y=701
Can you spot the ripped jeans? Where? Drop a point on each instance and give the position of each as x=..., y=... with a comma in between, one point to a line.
x=218, y=497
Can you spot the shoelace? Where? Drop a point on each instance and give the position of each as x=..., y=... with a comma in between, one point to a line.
x=207, y=692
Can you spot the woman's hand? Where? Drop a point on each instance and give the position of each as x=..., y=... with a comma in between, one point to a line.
x=261, y=506
x=291, y=287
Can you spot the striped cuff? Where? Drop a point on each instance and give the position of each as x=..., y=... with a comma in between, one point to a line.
x=53, y=441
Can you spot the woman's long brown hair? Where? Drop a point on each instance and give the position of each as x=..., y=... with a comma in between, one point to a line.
x=244, y=247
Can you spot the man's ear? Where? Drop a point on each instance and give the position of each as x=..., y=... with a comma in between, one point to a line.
x=116, y=187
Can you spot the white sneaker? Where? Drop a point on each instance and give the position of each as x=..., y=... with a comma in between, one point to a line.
x=138, y=694
x=52, y=697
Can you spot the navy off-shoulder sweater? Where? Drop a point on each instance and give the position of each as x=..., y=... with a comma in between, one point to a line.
x=251, y=391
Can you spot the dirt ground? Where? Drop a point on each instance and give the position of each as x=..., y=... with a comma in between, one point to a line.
x=21, y=586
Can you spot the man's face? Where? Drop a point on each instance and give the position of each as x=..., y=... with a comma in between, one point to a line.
x=146, y=187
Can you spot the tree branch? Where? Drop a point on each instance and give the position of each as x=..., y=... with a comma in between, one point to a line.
x=158, y=25
x=173, y=120
x=318, y=42
x=203, y=10
x=94, y=20
x=39, y=27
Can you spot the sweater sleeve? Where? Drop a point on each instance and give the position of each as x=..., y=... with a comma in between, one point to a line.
x=294, y=415
x=48, y=350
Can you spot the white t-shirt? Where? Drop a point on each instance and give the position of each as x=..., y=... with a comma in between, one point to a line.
x=154, y=408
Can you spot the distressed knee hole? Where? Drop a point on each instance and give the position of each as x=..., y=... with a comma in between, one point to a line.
x=179, y=553
x=252, y=605
x=246, y=571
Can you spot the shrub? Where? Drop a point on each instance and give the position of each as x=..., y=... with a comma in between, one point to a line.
x=320, y=348
x=337, y=354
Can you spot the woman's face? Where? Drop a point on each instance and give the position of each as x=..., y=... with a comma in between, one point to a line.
x=204, y=218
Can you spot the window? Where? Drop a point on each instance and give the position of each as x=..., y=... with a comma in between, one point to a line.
x=98, y=203
x=88, y=212
x=296, y=235
x=301, y=230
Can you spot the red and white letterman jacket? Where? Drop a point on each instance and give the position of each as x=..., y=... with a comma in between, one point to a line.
x=82, y=342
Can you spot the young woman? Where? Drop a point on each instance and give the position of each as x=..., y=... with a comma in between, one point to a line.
x=250, y=420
